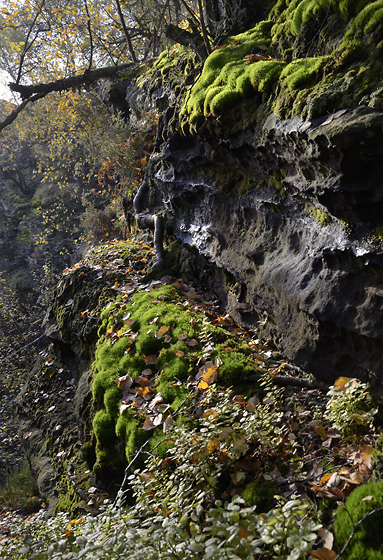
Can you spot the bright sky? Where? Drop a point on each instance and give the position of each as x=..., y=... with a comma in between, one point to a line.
x=5, y=92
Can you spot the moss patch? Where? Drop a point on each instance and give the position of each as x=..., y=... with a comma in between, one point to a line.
x=305, y=50
x=367, y=540
x=152, y=344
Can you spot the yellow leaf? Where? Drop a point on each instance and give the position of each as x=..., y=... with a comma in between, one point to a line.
x=341, y=383
x=203, y=385
x=210, y=375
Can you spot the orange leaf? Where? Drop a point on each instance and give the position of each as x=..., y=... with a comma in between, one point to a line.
x=323, y=554
x=210, y=414
x=179, y=353
x=203, y=385
x=341, y=383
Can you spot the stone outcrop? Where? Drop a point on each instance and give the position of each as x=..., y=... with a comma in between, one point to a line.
x=273, y=173
x=294, y=216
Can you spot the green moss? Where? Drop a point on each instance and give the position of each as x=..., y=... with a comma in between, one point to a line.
x=316, y=61
x=229, y=75
x=154, y=331
x=306, y=11
x=367, y=541
x=303, y=73
x=319, y=216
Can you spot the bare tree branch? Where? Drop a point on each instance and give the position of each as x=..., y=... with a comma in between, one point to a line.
x=88, y=24
x=78, y=81
x=191, y=40
x=28, y=44
x=126, y=32
x=203, y=27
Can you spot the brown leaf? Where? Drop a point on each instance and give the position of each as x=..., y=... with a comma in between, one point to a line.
x=192, y=342
x=225, y=321
x=179, y=353
x=148, y=424
x=150, y=360
x=124, y=382
x=161, y=332
x=323, y=554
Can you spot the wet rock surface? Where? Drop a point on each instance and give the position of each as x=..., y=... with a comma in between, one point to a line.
x=292, y=211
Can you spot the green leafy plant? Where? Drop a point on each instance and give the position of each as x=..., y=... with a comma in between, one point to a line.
x=350, y=407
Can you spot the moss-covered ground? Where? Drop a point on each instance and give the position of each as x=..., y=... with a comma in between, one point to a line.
x=155, y=342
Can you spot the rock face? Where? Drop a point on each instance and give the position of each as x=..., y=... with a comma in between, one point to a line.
x=271, y=167
x=294, y=215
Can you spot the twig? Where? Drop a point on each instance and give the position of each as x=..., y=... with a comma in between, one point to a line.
x=354, y=527
x=26, y=346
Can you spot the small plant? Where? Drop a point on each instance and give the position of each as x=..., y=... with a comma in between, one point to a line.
x=350, y=407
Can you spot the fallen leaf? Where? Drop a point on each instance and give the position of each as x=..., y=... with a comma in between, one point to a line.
x=210, y=415
x=150, y=360
x=210, y=375
x=323, y=554
x=366, y=498
x=238, y=478
x=161, y=332
x=148, y=424
x=124, y=382
x=225, y=321
x=203, y=385
x=179, y=353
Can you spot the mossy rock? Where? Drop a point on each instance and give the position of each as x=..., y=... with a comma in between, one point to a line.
x=367, y=541
x=305, y=50
x=159, y=336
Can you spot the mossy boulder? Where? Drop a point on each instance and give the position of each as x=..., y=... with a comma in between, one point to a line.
x=152, y=344
x=357, y=516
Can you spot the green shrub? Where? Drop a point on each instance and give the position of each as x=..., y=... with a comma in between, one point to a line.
x=367, y=540
x=351, y=407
